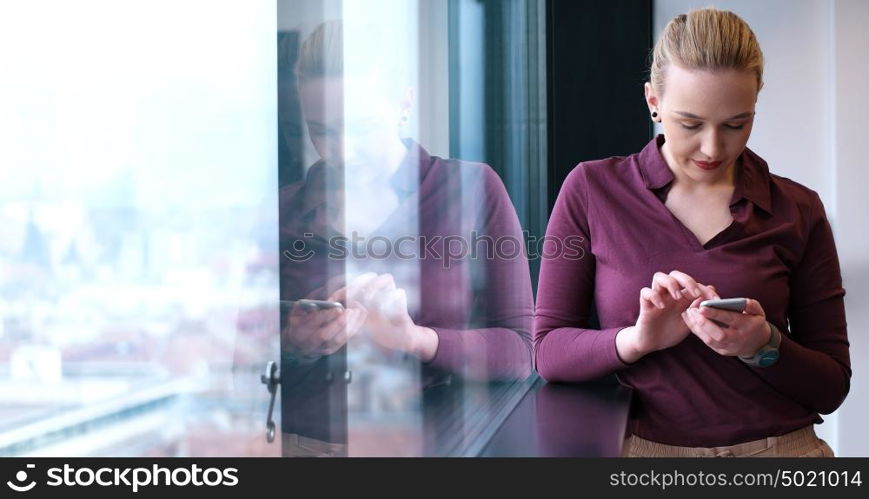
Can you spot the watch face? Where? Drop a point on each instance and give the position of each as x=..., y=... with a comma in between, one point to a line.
x=768, y=358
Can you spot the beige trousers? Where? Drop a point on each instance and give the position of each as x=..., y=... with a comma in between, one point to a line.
x=294, y=445
x=799, y=443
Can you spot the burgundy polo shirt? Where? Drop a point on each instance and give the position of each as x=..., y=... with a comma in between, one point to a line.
x=779, y=250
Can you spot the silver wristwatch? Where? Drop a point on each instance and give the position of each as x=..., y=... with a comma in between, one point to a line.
x=768, y=354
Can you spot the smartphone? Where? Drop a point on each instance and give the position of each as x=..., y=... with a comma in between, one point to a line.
x=311, y=304
x=734, y=304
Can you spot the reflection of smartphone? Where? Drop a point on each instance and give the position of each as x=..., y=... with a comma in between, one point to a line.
x=734, y=304
x=311, y=304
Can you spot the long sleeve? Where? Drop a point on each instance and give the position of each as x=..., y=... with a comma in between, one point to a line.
x=565, y=346
x=778, y=249
x=814, y=367
x=497, y=342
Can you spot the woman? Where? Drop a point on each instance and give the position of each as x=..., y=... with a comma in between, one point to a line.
x=696, y=215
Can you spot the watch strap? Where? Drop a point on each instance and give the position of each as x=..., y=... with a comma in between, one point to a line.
x=768, y=354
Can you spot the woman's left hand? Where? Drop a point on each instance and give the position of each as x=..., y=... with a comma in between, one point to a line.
x=728, y=332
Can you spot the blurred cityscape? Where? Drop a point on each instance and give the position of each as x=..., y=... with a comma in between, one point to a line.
x=132, y=332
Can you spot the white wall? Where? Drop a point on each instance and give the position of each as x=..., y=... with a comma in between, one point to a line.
x=811, y=120
x=852, y=205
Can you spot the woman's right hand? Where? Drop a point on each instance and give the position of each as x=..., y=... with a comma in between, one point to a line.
x=660, y=324
x=312, y=333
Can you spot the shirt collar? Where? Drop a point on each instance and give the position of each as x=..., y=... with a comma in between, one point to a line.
x=752, y=179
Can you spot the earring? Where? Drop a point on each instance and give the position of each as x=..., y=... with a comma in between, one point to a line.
x=403, y=123
x=654, y=114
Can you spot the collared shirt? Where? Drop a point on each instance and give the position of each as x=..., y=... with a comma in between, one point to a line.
x=779, y=250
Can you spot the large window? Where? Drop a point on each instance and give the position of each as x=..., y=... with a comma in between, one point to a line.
x=411, y=132
x=150, y=155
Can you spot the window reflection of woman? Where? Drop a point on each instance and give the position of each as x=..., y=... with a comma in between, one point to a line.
x=469, y=316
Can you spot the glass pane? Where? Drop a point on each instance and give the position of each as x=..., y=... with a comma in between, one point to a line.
x=418, y=337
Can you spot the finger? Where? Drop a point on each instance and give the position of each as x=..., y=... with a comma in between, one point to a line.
x=687, y=282
x=355, y=320
x=708, y=292
x=298, y=310
x=367, y=287
x=308, y=337
x=661, y=281
x=745, y=322
x=304, y=339
x=691, y=322
x=300, y=320
x=385, y=281
x=685, y=296
x=354, y=305
x=725, y=317
x=400, y=297
x=708, y=336
x=302, y=326
x=340, y=295
x=705, y=328
x=298, y=337
x=688, y=319
x=378, y=298
x=696, y=303
x=336, y=344
x=374, y=286
x=395, y=304
x=650, y=296
x=359, y=283
x=752, y=307
x=334, y=335
x=322, y=318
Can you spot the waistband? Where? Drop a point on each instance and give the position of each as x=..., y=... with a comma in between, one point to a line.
x=795, y=443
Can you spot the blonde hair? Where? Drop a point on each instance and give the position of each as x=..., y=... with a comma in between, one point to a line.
x=321, y=54
x=708, y=39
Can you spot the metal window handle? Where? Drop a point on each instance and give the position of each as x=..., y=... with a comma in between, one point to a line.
x=271, y=378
